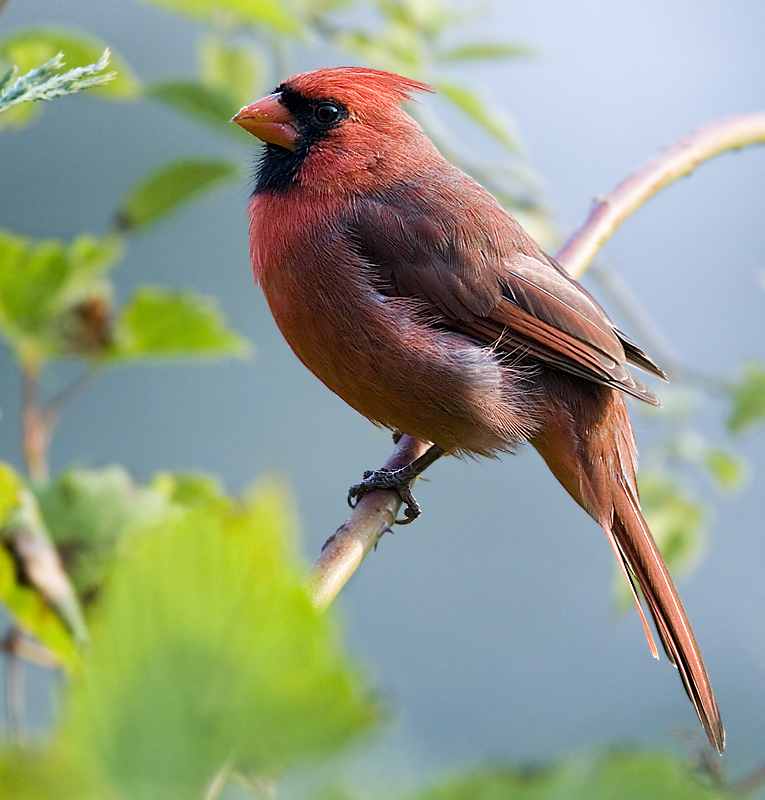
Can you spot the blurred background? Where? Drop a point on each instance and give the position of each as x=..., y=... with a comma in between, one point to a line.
x=491, y=626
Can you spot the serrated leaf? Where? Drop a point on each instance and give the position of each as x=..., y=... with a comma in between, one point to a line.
x=171, y=187
x=230, y=70
x=202, y=103
x=748, y=399
x=485, y=50
x=41, y=280
x=727, y=469
x=268, y=13
x=206, y=650
x=161, y=323
x=615, y=776
x=470, y=103
x=89, y=513
x=31, y=47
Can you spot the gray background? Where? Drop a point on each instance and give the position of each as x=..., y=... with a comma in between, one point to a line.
x=488, y=625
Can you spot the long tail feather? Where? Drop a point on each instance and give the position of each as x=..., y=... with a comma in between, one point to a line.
x=646, y=564
x=592, y=453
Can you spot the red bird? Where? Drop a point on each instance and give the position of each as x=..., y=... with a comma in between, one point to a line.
x=416, y=297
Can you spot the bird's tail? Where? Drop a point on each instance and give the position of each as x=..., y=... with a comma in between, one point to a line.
x=593, y=455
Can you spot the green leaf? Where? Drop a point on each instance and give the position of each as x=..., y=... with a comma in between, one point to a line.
x=230, y=70
x=728, y=470
x=398, y=48
x=485, y=50
x=470, y=103
x=41, y=281
x=31, y=47
x=89, y=513
x=160, y=323
x=268, y=13
x=171, y=187
x=202, y=103
x=206, y=650
x=189, y=488
x=748, y=399
x=49, y=616
x=42, y=773
x=615, y=776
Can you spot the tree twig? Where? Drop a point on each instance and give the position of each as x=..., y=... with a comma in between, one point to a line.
x=373, y=516
x=14, y=685
x=676, y=161
x=376, y=512
x=34, y=434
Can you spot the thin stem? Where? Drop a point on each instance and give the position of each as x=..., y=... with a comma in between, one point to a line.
x=749, y=785
x=218, y=783
x=14, y=686
x=34, y=434
x=51, y=411
x=376, y=512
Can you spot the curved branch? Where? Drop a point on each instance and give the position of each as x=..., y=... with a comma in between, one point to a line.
x=676, y=161
x=377, y=511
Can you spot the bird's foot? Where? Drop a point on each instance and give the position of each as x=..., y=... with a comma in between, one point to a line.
x=397, y=479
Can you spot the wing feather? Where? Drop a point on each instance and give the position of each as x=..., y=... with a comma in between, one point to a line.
x=478, y=273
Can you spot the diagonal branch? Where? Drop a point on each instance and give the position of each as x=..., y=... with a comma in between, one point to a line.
x=375, y=513
x=676, y=161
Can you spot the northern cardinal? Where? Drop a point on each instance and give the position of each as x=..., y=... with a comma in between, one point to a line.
x=416, y=297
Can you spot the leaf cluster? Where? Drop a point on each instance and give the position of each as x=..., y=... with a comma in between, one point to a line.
x=205, y=649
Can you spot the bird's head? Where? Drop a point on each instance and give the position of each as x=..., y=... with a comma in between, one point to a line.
x=332, y=122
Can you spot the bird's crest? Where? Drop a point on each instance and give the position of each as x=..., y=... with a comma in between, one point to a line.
x=355, y=85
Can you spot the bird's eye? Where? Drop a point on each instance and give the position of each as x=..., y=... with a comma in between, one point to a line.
x=326, y=113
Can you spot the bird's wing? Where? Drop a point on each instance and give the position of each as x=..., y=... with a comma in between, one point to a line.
x=476, y=269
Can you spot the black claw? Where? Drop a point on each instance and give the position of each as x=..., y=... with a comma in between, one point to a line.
x=387, y=479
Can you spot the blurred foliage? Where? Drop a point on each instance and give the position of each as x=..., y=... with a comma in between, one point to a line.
x=205, y=655
x=89, y=513
x=205, y=651
x=170, y=188
x=33, y=587
x=158, y=323
x=55, y=301
x=615, y=776
x=748, y=396
x=682, y=474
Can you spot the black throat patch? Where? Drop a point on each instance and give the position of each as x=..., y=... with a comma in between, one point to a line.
x=314, y=119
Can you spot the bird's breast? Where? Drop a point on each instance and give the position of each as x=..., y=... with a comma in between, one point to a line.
x=381, y=354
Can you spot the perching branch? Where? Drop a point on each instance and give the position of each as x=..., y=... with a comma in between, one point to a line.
x=372, y=517
x=376, y=512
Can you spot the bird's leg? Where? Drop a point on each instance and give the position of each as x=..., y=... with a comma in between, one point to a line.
x=398, y=479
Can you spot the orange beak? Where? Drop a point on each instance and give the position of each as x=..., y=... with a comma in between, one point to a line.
x=270, y=121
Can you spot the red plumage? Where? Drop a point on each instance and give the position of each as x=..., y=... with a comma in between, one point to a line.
x=410, y=292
